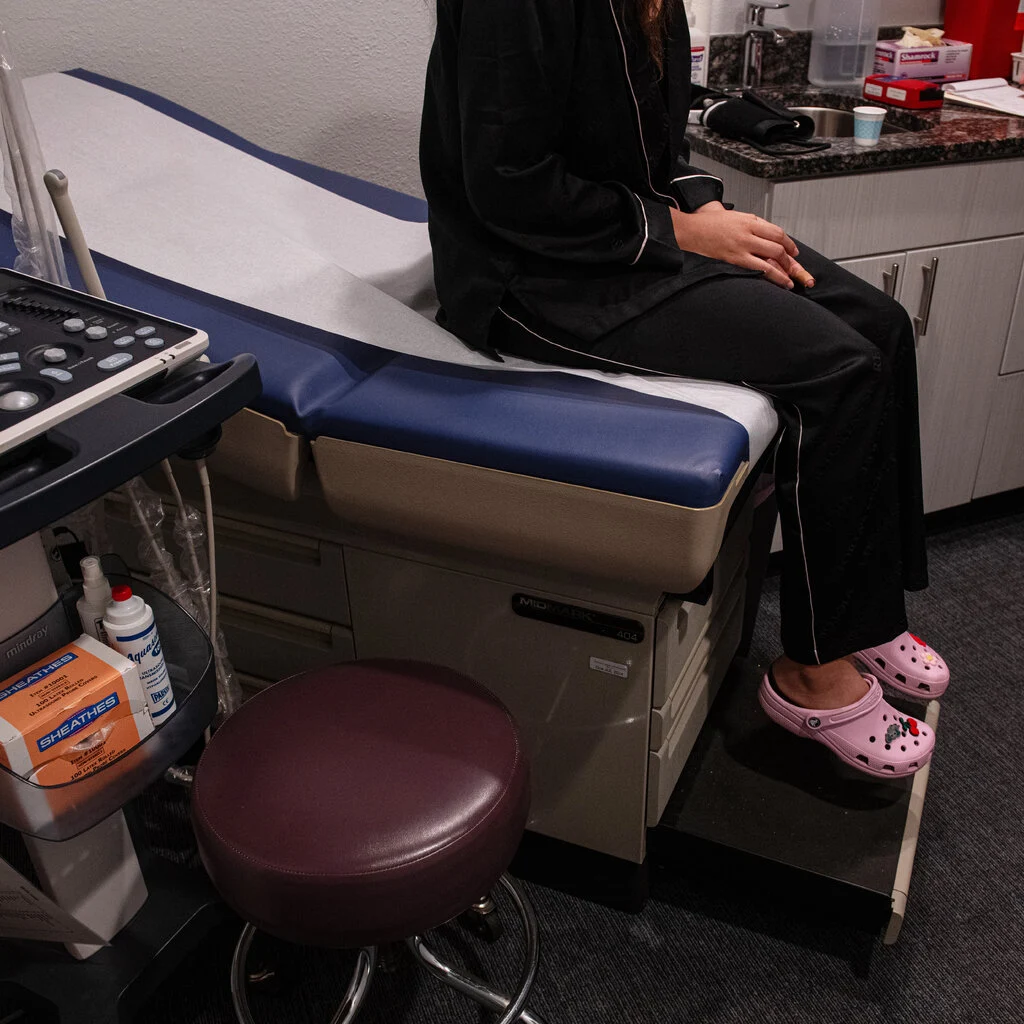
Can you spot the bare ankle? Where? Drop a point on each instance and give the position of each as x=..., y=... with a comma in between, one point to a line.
x=831, y=685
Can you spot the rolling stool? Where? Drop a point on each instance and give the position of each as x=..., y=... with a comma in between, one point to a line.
x=364, y=804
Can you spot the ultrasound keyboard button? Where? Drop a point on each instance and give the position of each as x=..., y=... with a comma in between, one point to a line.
x=18, y=401
x=8, y=357
x=55, y=355
x=116, y=361
x=95, y=333
x=145, y=332
x=10, y=367
x=154, y=343
x=125, y=341
x=61, y=376
x=74, y=324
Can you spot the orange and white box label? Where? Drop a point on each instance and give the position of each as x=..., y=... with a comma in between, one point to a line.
x=71, y=713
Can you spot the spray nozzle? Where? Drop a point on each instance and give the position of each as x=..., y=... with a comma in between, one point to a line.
x=91, y=569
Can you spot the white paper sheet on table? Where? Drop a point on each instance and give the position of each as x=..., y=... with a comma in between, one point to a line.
x=988, y=94
x=164, y=197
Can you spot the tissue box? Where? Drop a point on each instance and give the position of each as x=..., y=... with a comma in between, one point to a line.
x=952, y=61
x=72, y=713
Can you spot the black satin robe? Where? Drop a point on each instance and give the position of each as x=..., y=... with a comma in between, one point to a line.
x=550, y=153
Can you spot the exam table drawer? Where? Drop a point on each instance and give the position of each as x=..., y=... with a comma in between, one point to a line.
x=302, y=575
x=681, y=623
x=297, y=574
x=666, y=764
x=272, y=645
x=665, y=717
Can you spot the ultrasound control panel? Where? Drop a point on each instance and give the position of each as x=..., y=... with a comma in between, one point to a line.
x=62, y=352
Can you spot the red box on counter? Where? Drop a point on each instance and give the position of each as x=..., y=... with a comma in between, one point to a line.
x=912, y=93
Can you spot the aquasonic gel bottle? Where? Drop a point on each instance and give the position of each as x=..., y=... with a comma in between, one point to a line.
x=843, y=41
x=131, y=631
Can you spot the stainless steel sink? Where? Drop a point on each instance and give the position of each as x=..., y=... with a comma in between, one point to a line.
x=833, y=123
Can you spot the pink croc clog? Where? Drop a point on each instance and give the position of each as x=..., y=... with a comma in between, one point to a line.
x=909, y=665
x=870, y=735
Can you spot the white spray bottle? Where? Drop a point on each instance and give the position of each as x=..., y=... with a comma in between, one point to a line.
x=92, y=605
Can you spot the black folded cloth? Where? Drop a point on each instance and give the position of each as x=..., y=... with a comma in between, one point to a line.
x=767, y=126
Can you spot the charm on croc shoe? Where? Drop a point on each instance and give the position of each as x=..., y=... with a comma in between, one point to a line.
x=906, y=725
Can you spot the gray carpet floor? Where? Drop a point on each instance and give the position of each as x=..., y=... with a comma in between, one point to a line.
x=700, y=954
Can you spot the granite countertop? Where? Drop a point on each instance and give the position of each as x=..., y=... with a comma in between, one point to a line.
x=950, y=134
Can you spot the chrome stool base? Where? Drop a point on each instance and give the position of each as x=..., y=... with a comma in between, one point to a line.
x=511, y=1008
x=358, y=987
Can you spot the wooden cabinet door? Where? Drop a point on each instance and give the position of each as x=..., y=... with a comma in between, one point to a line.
x=962, y=298
x=884, y=272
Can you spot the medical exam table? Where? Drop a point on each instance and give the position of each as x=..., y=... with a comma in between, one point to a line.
x=576, y=541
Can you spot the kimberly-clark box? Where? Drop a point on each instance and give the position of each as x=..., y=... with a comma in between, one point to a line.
x=952, y=61
x=71, y=713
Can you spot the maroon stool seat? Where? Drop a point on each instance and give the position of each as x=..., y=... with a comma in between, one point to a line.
x=362, y=803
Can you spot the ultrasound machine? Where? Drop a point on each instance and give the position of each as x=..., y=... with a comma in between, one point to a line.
x=92, y=394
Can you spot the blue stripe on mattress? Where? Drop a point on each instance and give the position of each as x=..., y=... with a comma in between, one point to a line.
x=556, y=426
x=377, y=197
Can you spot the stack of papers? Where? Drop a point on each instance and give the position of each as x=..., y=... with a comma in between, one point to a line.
x=989, y=94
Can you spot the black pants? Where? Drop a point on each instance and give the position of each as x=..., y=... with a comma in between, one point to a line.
x=838, y=361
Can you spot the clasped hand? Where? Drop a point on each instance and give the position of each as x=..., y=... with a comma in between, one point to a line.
x=743, y=239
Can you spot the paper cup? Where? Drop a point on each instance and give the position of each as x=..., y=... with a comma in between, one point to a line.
x=867, y=125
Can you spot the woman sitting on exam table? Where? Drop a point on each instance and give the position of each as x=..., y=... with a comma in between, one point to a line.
x=568, y=227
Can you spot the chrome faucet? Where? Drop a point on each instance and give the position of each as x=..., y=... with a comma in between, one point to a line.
x=754, y=35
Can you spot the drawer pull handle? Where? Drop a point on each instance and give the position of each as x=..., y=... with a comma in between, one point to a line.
x=891, y=280
x=922, y=318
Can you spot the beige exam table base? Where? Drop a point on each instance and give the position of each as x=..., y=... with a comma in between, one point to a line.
x=346, y=549
x=338, y=550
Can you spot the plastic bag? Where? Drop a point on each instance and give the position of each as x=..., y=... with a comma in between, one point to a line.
x=189, y=585
x=190, y=536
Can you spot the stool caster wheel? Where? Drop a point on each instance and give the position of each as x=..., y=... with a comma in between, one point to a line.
x=483, y=921
x=389, y=958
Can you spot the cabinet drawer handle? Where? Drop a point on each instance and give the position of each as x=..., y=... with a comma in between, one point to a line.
x=891, y=280
x=922, y=318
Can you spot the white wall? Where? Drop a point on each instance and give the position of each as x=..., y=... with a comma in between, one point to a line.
x=336, y=82
x=727, y=15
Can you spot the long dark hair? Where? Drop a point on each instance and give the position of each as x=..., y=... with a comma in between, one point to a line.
x=654, y=16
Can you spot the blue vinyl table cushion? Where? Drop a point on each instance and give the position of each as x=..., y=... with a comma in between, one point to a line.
x=551, y=425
